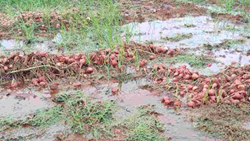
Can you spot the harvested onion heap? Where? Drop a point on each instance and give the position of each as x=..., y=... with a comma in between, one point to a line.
x=60, y=65
x=231, y=86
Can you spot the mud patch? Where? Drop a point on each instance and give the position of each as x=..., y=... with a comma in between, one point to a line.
x=139, y=11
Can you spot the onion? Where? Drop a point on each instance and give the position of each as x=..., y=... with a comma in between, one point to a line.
x=237, y=82
x=6, y=68
x=165, y=98
x=112, y=56
x=183, y=66
x=214, y=85
x=35, y=81
x=10, y=66
x=15, y=84
x=167, y=102
x=58, y=25
x=195, y=76
x=82, y=61
x=62, y=59
x=177, y=104
x=182, y=93
x=233, y=75
x=195, y=88
x=201, y=95
x=143, y=63
x=176, y=74
x=78, y=56
x=170, y=52
x=241, y=87
x=180, y=75
x=191, y=104
x=92, y=55
x=70, y=61
x=114, y=91
x=151, y=57
x=114, y=63
x=245, y=76
x=58, y=64
x=42, y=83
x=209, y=65
x=211, y=92
x=108, y=50
x=77, y=84
x=237, y=96
x=190, y=87
x=41, y=79
x=90, y=70
x=187, y=77
x=175, y=79
x=207, y=80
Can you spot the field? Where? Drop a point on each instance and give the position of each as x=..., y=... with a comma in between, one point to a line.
x=124, y=70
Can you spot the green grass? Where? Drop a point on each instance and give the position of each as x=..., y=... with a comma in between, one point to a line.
x=86, y=116
x=94, y=25
x=45, y=117
x=144, y=127
x=192, y=60
x=178, y=37
x=82, y=112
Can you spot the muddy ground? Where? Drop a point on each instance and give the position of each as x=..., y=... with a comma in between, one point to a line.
x=187, y=67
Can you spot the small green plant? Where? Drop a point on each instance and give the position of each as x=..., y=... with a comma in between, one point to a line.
x=229, y=5
x=194, y=61
x=144, y=127
x=7, y=122
x=83, y=114
x=45, y=117
x=178, y=37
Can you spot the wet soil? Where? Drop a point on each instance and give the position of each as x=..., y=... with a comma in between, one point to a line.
x=207, y=38
x=129, y=98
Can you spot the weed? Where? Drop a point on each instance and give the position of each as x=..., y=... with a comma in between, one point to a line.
x=178, y=37
x=229, y=4
x=88, y=29
x=194, y=61
x=45, y=117
x=83, y=114
x=7, y=122
x=189, y=25
x=144, y=127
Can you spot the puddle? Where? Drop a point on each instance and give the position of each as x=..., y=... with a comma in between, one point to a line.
x=20, y=104
x=35, y=134
x=224, y=56
x=129, y=98
x=246, y=125
x=7, y=46
x=204, y=30
x=213, y=69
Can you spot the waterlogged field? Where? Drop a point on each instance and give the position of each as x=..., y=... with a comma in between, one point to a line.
x=116, y=70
